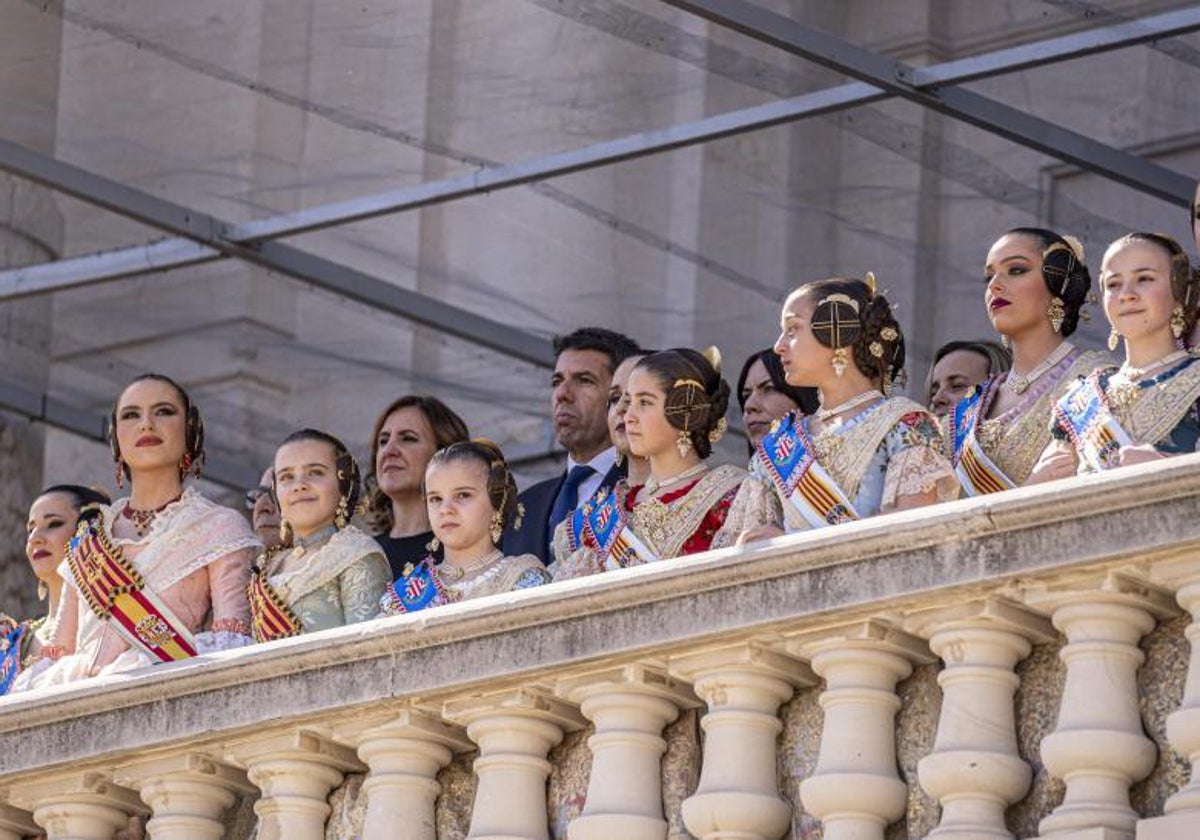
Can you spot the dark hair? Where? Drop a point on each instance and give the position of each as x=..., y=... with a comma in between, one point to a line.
x=878, y=347
x=1065, y=274
x=998, y=358
x=82, y=498
x=501, y=486
x=617, y=347
x=447, y=428
x=1185, y=281
x=193, y=441
x=681, y=372
x=347, y=467
x=804, y=397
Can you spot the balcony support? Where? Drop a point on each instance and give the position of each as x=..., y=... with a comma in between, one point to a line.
x=744, y=686
x=295, y=772
x=16, y=824
x=629, y=707
x=404, y=751
x=515, y=731
x=975, y=771
x=855, y=789
x=80, y=806
x=188, y=794
x=1098, y=747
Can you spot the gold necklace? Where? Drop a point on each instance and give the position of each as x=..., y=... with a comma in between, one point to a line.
x=865, y=397
x=1019, y=384
x=1123, y=386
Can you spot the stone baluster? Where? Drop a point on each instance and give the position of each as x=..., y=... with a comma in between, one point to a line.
x=1098, y=747
x=16, y=824
x=404, y=751
x=1181, y=818
x=515, y=731
x=295, y=771
x=975, y=771
x=187, y=793
x=629, y=707
x=738, y=794
x=79, y=806
x=855, y=789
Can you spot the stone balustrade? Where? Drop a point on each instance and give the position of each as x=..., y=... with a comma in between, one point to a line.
x=1012, y=666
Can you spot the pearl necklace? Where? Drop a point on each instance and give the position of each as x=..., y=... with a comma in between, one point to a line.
x=1019, y=384
x=1132, y=374
x=653, y=486
x=300, y=544
x=454, y=573
x=865, y=397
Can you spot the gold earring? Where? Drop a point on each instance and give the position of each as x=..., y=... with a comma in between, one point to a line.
x=840, y=357
x=1177, y=321
x=719, y=431
x=1004, y=340
x=433, y=545
x=619, y=459
x=43, y=590
x=1113, y=338
x=120, y=475
x=1057, y=313
x=497, y=527
x=285, y=531
x=342, y=516
x=683, y=443
x=520, y=517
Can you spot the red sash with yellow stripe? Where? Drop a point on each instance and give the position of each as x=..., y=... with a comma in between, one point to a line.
x=270, y=616
x=787, y=453
x=116, y=591
x=975, y=470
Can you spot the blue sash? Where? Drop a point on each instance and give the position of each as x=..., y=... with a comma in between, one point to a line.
x=417, y=587
x=787, y=453
x=603, y=526
x=1085, y=416
x=976, y=472
x=11, y=636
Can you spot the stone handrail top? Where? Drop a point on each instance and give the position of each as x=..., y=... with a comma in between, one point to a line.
x=794, y=583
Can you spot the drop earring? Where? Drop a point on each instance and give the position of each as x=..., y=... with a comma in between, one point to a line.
x=1057, y=313
x=1177, y=321
x=433, y=545
x=497, y=527
x=343, y=514
x=683, y=443
x=285, y=531
x=839, y=361
x=120, y=475
x=1114, y=338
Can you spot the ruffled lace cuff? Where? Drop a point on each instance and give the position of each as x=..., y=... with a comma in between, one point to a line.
x=917, y=471
x=212, y=641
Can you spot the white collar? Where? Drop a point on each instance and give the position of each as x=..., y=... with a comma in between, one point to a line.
x=602, y=463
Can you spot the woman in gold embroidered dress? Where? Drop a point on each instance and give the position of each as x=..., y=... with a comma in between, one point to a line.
x=332, y=574
x=472, y=498
x=52, y=520
x=1037, y=284
x=193, y=554
x=874, y=453
x=677, y=404
x=1150, y=297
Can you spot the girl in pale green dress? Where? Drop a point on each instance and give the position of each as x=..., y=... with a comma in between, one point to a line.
x=329, y=573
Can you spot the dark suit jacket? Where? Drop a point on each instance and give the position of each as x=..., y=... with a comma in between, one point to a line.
x=538, y=501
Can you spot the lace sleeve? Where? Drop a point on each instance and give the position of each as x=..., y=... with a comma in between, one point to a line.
x=228, y=578
x=918, y=471
x=577, y=564
x=756, y=503
x=362, y=586
x=560, y=544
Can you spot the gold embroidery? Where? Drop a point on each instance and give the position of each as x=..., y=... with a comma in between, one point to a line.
x=1014, y=444
x=665, y=527
x=1157, y=410
x=845, y=455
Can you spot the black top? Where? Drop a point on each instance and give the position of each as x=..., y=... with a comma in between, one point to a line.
x=400, y=551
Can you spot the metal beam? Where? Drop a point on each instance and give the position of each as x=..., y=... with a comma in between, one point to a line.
x=174, y=253
x=42, y=408
x=896, y=77
x=327, y=274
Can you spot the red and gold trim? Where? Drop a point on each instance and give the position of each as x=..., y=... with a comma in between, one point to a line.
x=270, y=617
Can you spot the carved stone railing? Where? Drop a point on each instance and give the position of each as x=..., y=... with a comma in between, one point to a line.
x=990, y=667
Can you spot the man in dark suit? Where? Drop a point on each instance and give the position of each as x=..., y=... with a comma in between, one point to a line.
x=584, y=364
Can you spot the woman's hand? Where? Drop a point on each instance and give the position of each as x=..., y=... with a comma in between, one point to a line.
x=759, y=533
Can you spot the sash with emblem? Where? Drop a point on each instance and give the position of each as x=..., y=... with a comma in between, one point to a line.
x=603, y=526
x=975, y=470
x=787, y=453
x=116, y=592
x=270, y=616
x=418, y=587
x=12, y=634
x=1085, y=415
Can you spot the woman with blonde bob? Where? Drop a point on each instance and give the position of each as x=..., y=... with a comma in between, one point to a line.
x=1146, y=408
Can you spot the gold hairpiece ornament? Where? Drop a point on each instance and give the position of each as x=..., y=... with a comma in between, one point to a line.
x=872, y=286
x=713, y=355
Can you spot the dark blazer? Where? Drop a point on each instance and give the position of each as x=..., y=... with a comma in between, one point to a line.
x=538, y=501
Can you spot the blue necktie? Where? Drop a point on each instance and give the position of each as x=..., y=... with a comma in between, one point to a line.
x=565, y=503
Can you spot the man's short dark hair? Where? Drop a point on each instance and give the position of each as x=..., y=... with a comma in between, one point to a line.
x=617, y=347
